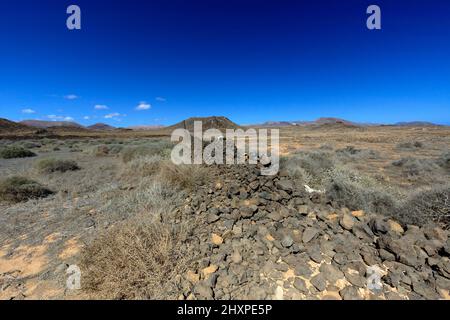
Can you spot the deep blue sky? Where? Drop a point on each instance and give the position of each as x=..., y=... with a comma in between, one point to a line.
x=250, y=60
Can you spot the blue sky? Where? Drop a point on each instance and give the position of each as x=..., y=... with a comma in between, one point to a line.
x=249, y=60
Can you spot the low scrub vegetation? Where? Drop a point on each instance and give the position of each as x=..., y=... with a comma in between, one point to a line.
x=414, y=167
x=56, y=165
x=156, y=147
x=106, y=150
x=410, y=145
x=444, y=160
x=351, y=153
x=17, y=189
x=423, y=207
x=142, y=167
x=348, y=189
x=312, y=168
x=12, y=152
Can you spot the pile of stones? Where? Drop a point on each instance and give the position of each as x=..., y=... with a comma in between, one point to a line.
x=266, y=237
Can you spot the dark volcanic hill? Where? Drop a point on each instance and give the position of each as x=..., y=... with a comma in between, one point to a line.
x=7, y=125
x=49, y=124
x=101, y=126
x=213, y=122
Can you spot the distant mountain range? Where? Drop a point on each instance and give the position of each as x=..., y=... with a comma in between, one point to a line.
x=48, y=124
x=318, y=122
x=208, y=122
x=416, y=124
x=337, y=121
x=144, y=127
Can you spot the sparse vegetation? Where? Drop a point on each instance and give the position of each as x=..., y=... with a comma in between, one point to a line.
x=414, y=167
x=311, y=167
x=350, y=152
x=356, y=192
x=156, y=147
x=142, y=167
x=142, y=220
x=444, y=160
x=56, y=165
x=135, y=260
x=17, y=189
x=424, y=207
x=410, y=145
x=184, y=176
x=12, y=152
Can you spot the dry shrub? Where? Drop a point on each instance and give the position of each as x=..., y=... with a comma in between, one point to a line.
x=311, y=167
x=414, y=168
x=135, y=260
x=424, y=207
x=444, y=160
x=156, y=147
x=15, y=152
x=352, y=153
x=409, y=145
x=142, y=167
x=17, y=189
x=156, y=196
x=184, y=176
x=56, y=165
x=105, y=150
x=348, y=189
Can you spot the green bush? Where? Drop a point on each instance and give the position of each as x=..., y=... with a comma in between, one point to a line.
x=17, y=189
x=15, y=152
x=56, y=165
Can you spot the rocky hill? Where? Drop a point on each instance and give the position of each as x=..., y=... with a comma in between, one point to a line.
x=101, y=127
x=262, y=237
x=214, y=122
x=7, y=125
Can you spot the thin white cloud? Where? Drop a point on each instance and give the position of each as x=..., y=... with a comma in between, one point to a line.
x=28, y=111
x=71, y=97
x=54, y=117
x=114, y=115
x=161, y=99
x=101, y=107
x=86, y=117
x=143, y=106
